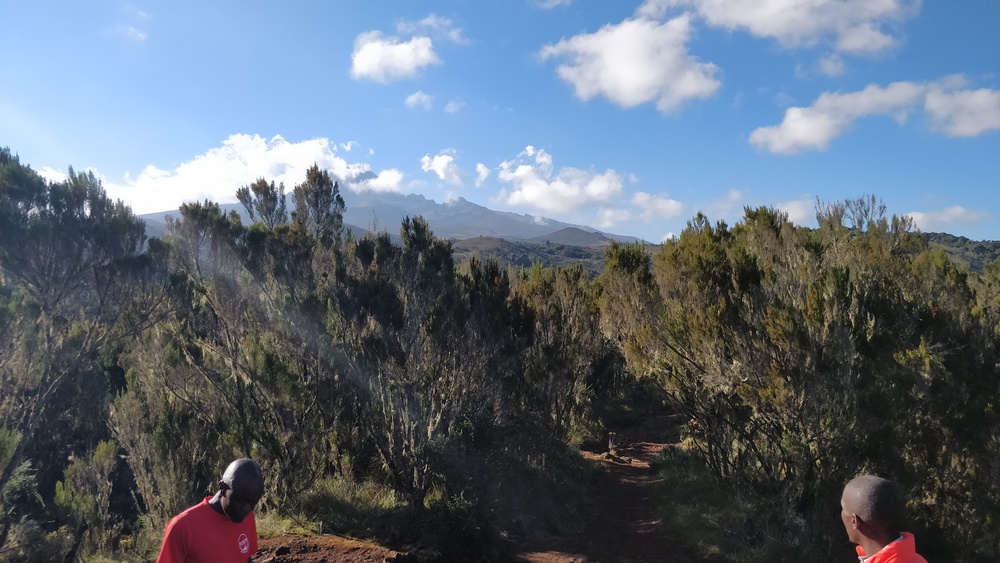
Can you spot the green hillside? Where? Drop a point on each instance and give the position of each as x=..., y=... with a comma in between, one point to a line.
x=522, y=253
x=973, y=254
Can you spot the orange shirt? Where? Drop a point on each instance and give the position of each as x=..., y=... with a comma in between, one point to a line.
x=903, y=550
x=202, y=535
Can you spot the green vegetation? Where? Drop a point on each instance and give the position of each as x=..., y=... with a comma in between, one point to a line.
x=805, y=357
x=524, y=254
x=971, y=254
x=393, y=393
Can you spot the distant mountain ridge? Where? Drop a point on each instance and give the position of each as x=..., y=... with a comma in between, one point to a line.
x=458, y=219
x=522, y=240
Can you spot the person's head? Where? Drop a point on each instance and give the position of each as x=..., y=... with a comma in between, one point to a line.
x=871, y=507
x=240, y=489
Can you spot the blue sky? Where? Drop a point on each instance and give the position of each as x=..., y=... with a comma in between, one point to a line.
x=628, y=116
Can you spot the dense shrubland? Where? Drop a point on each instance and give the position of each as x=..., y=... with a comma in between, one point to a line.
x=388, y=391
x=804, y=357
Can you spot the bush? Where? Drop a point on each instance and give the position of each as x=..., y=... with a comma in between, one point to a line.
x=461, y=529
x=28, y=542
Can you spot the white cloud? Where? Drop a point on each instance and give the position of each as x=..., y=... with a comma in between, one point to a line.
x=668, y=236
x=813, y=128
x=549, y=4
x=832, y=65
x=954, y=111
x=434, y=25
x=656, y=207
x=51, y=174
x=729, y=207
x=854, y=26
x=390, y=180
x=963, y=113
x=241, y=159
x=635, y=62
x=349, y=145
x=132, y=33
x=453, y=106
x=444, y=166
x=134, y=25
x=386, y=59
x=419, y=99
x=934, y=220
x=482, y=173
x=608, y=217
x=800, y=211
x=535, y=185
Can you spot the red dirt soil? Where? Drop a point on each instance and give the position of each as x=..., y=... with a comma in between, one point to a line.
x=624, y=526
x=321, y=549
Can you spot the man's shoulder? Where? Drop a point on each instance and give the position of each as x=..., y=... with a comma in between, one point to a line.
x=192, y=513
x=901, y=551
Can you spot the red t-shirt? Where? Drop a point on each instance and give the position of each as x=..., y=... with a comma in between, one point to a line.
x=202, y=535
x=903, y=550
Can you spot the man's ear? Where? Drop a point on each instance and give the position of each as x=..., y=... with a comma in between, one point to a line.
x=855, y=521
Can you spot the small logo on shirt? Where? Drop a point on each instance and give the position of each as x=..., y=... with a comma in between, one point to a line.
x=244, y=543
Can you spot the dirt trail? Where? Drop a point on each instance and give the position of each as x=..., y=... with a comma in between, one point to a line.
x=623, y=527
x=321, y=549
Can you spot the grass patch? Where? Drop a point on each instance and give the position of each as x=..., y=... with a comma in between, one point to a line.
x=713, y=523
x=271, y=524
x=363, y=509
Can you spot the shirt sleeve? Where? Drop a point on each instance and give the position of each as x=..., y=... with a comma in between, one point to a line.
x=172, y=550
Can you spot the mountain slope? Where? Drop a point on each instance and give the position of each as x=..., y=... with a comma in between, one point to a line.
x=456, y=220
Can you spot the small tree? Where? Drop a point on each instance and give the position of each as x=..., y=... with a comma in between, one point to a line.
x=319, y=206
x=264, y=202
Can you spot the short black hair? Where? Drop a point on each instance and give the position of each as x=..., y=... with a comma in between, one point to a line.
x=877, y=501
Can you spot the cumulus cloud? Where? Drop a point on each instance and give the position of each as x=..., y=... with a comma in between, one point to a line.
x=453, y=106
x=608, y=217
x=935, y=220
x=963, y=113
x=387, y=59
x=51, y=174
x=813, y=128
x=434, y=25
x=952, y=110
x=241, y=159
x=832, y=65
x=729, y=207
x=419, y=99
x=444, y=166
x=482, y=173
x=853, y=26
x=656, y=207
x=800, y=211
x=535, y=184
x=635, y=62
x=390, y=180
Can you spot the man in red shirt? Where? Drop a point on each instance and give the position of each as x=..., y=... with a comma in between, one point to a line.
x=222, y=528
x=872, y=511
